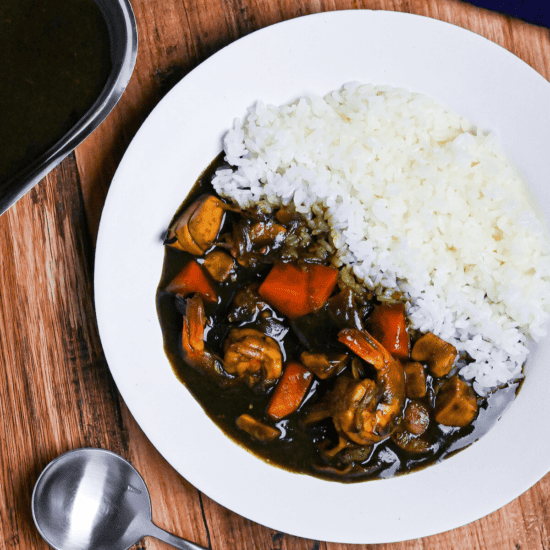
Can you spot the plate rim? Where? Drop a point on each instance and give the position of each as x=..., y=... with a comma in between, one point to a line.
x=306, y=532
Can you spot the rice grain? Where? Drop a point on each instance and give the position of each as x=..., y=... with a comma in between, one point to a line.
x=417, y=200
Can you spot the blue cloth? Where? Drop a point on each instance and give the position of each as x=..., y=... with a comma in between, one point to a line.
x=531, y=11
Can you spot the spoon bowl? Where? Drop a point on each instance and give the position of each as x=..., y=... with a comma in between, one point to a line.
x=94, y=499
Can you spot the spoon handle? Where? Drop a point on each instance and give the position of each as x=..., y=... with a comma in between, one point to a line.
x=165, y=536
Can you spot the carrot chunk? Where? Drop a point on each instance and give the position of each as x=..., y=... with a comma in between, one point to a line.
x=388, y=325
x=193, y=280
x=295, y=292
x=321, y=282
x=290, y=391
x=285, y=288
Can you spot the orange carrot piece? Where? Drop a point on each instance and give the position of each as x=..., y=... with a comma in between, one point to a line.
x=321, y=282
x=290, y=391
x=192, y=279
x=285, y=288
x=295, y=292
x=388, y=325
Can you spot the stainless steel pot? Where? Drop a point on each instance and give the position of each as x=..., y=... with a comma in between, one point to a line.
x=122, y=30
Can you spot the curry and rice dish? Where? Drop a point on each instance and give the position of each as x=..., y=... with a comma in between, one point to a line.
x=307, y=370
x=311, y=327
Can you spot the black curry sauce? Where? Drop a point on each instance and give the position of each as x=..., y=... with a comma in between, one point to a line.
x=297, y=449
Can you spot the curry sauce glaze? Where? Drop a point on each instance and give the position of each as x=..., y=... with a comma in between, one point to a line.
x=297, y=450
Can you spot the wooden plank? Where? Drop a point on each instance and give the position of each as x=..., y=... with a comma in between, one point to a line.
x=57, y=393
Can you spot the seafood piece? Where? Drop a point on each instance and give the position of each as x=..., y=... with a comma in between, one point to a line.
x=353, y=407
x=194, y=351
x=363, y=411
x=379, y=418
x=351, y=404
x=252, y=356
x=198, y=227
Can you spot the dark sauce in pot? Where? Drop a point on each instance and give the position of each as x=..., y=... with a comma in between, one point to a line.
x=54, y=62
x=297, y=449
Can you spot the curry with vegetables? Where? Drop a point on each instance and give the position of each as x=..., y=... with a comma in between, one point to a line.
x=297, y=362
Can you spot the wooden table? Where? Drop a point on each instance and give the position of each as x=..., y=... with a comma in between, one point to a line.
x=57, y=393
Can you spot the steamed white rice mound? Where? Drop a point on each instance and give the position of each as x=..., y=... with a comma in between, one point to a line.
x=418, y=200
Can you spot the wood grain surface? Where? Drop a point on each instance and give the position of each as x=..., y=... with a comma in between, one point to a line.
x=57, y=393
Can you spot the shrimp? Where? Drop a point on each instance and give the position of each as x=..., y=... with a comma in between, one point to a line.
x=350, y=404
x=379, y=417
x=253, y=356
x=195, y=352
x=353, y=405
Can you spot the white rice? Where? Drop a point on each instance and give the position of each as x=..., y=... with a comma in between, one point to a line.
x=418, y=200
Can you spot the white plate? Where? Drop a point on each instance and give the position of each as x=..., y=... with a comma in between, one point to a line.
x=314, y=54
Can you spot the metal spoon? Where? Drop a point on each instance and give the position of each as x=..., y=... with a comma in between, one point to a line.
x=94, y=499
